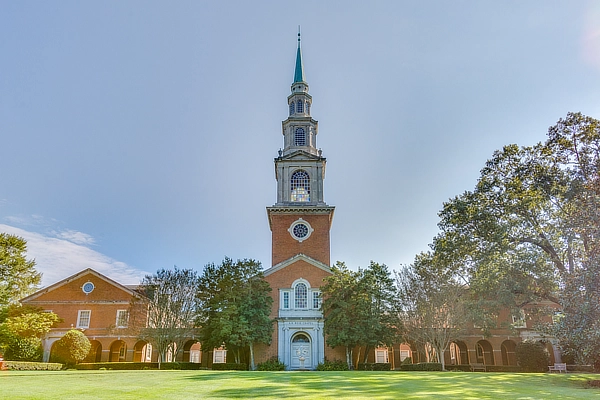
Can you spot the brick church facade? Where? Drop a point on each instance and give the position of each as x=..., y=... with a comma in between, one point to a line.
x=300, y=223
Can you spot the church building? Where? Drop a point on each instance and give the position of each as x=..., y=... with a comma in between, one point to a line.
x=300, y=222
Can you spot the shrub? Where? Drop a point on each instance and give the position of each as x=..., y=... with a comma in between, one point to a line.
x=229, y=367
x=407, y=360
x=103, y=366
x=72, y=347
x=374, y=367
x=335, y=365
x=273, y=364
x=532, y=356
x=24, y=349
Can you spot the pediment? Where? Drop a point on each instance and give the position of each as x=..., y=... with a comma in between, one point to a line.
x=40, y=294
x=300, y=155
x=294, y=259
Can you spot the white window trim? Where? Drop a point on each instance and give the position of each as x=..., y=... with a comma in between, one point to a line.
x=381, y=351
x=219, y=351
x=126, y=319
x=79, y=318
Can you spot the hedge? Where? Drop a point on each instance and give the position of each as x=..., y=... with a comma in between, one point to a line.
x=32, y=366
x=580, y=368
x=120, y=366
x=421, y=367
x=374, y=367
x=229, y=367
x=335, y=365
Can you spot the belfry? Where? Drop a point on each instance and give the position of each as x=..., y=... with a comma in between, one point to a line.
x=300, y=222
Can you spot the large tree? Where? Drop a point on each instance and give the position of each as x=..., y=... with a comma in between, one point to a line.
x=236, y=304
x=18, y=276
x=529, y=230
x=171, y=307
x=434, y=306
x=360, y=308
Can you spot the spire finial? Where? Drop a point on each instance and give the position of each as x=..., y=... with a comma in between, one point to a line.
x=298, y=36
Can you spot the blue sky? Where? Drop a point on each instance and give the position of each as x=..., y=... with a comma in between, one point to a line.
x=138, y=135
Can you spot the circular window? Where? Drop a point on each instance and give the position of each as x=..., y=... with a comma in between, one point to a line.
x=300, y=230
x=87, y=287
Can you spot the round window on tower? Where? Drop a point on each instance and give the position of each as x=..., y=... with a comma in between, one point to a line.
x=300, y=230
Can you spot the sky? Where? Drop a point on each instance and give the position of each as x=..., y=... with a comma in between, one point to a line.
x=140, y=135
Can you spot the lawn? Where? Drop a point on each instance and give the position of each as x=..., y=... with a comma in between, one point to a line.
x=280, y=385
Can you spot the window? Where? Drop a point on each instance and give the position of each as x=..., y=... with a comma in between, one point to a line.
x=308, y=108
x=286, y=299
x=219, y=356
x=301, y=294
x=299, y=108
x=519, y=320
x=381, y=355
x=291, y=108
x=83, y=318
x=316, y=300
x=300, y=185
x=122, y=318
x=300, y=137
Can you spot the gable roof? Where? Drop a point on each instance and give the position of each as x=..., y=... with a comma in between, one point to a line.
x=295, y=258
x=78, y=275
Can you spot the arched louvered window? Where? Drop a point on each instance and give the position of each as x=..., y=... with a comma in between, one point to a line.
x=301, y=296
x=299, y=106
x=291, y=108
x=299, y=137
x=308, y=108
x=300, y=185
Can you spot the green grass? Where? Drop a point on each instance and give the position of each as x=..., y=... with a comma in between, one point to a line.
x=281, y=385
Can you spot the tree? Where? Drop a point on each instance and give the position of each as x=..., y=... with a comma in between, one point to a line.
x=236, y=305
x=532, y=356
x=529, y=230
x=72, y=347
x=22, y=329
x=360, y=308
x=340, y=309
x=171, y=308
x=18, y=276
x=434, y=305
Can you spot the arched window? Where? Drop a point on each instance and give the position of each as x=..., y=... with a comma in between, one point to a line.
x=291, y=108
x=300, y=183
x=301, y=338
x=301, y=295
x=299, y=107
x=308, y=108
x=300, y=137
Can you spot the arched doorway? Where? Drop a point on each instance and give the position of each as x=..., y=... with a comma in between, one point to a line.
x=118, y=351
x=301, y=351
x=95, y=354
x=485, y=353
x=508, y=353
x=459, y=353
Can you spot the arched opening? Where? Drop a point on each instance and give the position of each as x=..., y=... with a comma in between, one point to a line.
x=301, y=351
x=550, y=351
x=192, y=352
x=405, y=353
x=95, y=354
x=299, y=137
x=291, y=108
x=508, y=352
x=459, y=353
x=485, y=353
x=299, y=106
x=300, y=186
x=142, y=351
x=118, y=351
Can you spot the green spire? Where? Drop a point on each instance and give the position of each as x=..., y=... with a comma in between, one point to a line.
x=299, y=72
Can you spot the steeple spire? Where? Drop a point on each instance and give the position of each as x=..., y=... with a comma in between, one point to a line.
x=299, y=71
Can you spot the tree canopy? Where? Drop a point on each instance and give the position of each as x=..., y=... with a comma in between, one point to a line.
x=528, y=232
x=236, y=305
x=360, y=308
x=18, y=276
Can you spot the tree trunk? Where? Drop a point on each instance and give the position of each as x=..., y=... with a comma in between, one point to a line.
x=367, y=349
x=349, y=357
x=251, y=356
x=441, y=357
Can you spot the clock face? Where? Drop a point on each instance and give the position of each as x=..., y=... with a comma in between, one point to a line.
x=87, y=287
x=300, y=230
